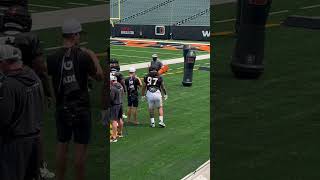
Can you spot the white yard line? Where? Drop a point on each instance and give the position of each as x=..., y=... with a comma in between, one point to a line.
x=225, y=20
x=168, y=62
x=130, y=56
x=78, y=4
x=202, y=173
x=278, y=12
x=44, y=6
x=310, y=7
x=57, y=47
x=99, y=1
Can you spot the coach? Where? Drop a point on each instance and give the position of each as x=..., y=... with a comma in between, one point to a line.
x=21, y=112
x=70, y=67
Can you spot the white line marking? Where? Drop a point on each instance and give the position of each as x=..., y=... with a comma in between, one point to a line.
x=45, y=6
x=99, y=0
x=57, y=47
x=78, y=4
x=310, y=7
x=226, y=20
x=121, y=55
x=279, y=12
x=167, y=62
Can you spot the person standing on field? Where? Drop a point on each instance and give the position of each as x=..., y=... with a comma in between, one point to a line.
x=133, y=83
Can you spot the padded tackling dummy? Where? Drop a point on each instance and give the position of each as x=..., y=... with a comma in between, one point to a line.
x=247, y=60
x=164, y=69
x=189, y=61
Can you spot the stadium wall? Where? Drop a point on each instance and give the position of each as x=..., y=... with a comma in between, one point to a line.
x=193, y=33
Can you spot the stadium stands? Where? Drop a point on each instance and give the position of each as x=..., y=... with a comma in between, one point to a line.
x=165, y=12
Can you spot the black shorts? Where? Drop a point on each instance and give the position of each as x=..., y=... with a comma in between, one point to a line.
x=133, y=101
x=116, y=112
x=19, y=159
x=106, y=118
x=76, y=125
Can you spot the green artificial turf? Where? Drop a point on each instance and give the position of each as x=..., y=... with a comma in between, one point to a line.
x=170, y=153
x=268, y=128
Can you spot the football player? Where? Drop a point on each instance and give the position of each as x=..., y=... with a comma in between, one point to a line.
x=154, y=85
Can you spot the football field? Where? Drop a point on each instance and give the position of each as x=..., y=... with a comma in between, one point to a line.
x=173, y=152
x=268, y=128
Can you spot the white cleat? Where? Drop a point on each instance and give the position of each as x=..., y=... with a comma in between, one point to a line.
x=161, y=124
x=113, y=140
x=152, y=125
x=45, y=173
x=124, y=116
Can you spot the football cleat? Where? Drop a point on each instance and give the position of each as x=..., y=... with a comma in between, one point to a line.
x=113, y=140
x=120, y=136
x=152, y=125
x=161, y=124
x=45, y=173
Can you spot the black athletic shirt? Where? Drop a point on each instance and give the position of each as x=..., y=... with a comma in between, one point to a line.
x=83, y=66
x=132, y=84
x=153, y=83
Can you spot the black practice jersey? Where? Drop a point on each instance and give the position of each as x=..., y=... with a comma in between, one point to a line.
x=153, y=83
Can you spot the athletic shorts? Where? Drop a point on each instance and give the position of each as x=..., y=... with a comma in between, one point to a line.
x=116, y=112
x=154, y=99
x=19, y=159
x=133, y=101
x=74, y=125
x=106, y=118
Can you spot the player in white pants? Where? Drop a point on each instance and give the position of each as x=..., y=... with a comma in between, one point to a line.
x=154, y=85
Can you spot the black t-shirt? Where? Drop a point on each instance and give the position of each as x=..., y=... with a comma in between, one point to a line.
x=132, y=84
x=153, y=83
x=70, y=69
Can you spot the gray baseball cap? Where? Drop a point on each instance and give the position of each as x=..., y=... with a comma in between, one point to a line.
x=71, y=26
x=8, y=52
